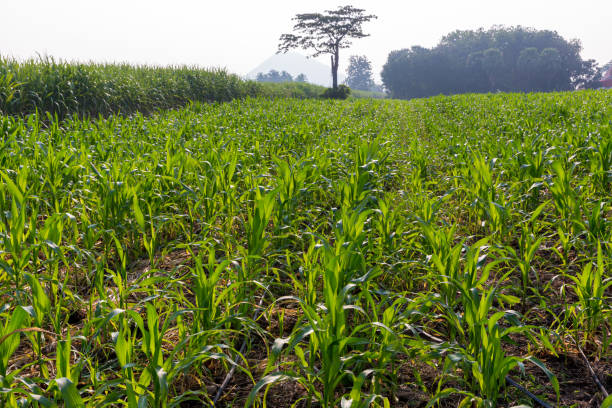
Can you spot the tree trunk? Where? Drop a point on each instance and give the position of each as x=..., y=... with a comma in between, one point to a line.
x=334, y=69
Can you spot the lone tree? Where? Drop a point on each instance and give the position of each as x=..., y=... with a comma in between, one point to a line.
x=359, y=73
x=326, y=33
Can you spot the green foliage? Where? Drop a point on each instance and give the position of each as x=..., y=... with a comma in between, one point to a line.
x=298, y=90
x=274, y=76
x=350, y=250
x=498, y=59
x=62, y=88
x=342, y=92
x=359, y=73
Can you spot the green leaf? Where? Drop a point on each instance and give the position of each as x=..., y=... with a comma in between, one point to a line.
x=607, y=403
x=42, y=304
x=12, y=187
x=10, y=335
x=45, y=402
x=71, y=395
x=264, y=382
x=162, y=379
x=138, y=213
x=551, y=376
x=63, y=357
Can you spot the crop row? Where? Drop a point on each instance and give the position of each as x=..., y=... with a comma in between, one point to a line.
x=308, y=253
x=63, y=88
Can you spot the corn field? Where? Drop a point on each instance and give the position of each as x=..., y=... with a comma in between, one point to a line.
x=288, y=253
x=65, y=88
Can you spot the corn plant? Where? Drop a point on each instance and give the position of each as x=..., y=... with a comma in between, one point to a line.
x=484, y=362
x=7, y=91
x=46, y=84
x=601, y=161
x=590, y=286
x=203, y=255
x=18, y=228
x=10, y=333
x=528, y=244
x=149, y=238
x=291, y=179
x=564, y=195
x=209, y=296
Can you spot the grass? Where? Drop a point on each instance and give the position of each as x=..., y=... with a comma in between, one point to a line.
x=357, y=93
x=327, y=253
x=298, y=90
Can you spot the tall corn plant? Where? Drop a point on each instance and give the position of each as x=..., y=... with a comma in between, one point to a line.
x=8, y=87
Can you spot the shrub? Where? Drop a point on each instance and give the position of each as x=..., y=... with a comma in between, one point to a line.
x=342, y=92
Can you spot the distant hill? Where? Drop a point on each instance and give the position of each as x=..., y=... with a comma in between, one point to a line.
x=295, y=64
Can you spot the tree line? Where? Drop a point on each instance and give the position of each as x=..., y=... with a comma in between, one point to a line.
x=282, y=76
x=510, y=59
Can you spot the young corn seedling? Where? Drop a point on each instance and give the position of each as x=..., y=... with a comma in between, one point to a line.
x=67, y=375
x=51, y=236
x=590, y=287
x=327, y=359
x=388, y=224
x=125, y=347
x=150, y=239
x=359, y=187
x=162, y=366
x=601, y=161
x=290, y=181
x=528, y=244
x=481, y=186
x=565, y=197
x=42, y=307
x=10, y=335
x=257, y=222
x=532, y=165
x=480, y=354
x=210, y=296
x=19, y=228
x=461, y=270
x=596, y=227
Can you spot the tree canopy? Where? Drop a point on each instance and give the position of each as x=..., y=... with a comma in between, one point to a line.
x=497, y=59
x=359, y=73
x=275, y=76
x=326, y=33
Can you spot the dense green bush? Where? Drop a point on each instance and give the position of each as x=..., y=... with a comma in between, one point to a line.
x=342, y=92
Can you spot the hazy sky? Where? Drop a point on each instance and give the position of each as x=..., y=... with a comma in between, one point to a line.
x=239, y=35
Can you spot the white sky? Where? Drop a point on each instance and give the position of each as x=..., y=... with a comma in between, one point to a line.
x=239, y=35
